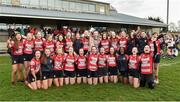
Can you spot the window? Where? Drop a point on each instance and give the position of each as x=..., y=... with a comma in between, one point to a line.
x=92, y=8
x=65, y=5
x=7, y=2
x=34, y=3
x=78, y=6
x=58, y=4
x=102, y=10
x=72, y=5
x=51, y=3
x=84, y=7
x=24, y=2
x=43, y=3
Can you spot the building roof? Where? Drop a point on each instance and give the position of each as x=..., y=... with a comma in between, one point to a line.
x=116, y=18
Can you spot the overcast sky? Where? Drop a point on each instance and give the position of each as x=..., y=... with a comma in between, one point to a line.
x=145, y=8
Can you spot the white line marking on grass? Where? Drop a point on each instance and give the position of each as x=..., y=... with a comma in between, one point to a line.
x=169, y=64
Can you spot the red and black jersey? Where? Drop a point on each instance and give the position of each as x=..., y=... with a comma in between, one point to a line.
x=59, y=62
x=85, y=42
x=17, y=50
x=70, y=63
x=146, y=63
x=111, y=61
x=50, y=45
x=102, y=60
x=92, y=62
x=105, y=43
x=133, y=62
x=38, y=44
x=35, y=65
x=28, y=46
x=82, y=62
x=114, y=43
x=123, y=42
x=152, y=46
x=68, y=43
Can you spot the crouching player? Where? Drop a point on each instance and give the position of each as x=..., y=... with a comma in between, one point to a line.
x=81, y=67
x=102, y=66
x=34, y=81
x=134, y=68
x=92, y=66
x=58, y=71
x=146, y=60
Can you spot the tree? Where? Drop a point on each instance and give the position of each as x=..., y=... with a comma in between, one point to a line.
x=172, y=27
x=157, y=19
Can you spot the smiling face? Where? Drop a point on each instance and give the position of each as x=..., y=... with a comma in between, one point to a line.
x=81, y=52
x=18, y=37
x=60, y=38
x=93, y=50
x=59, y=51
x=37, y=54
x=39, y=35
x=146, y=49
x=71, y=50
x=47, y=52
x=29, y=36
x=112, y=50
x=121, y=50
x=134, y=51
x=102, y=51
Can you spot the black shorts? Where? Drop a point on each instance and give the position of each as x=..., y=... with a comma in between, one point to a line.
x=134, y=73
x=124, y=73
x=27, y=57
x=81, y=72
x=31, y=78
x=47, y=75
x=112, y=71
x=58, y=74
x=91, y=74
x=157, y=58
x=149, y=78
x=69, y=74
x=103, y=71
x=17, y=59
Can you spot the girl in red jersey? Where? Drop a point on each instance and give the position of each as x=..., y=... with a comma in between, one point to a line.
x=34, y=81
x=69, y=67
x=58, y=70
x=112, y=66
x=85, y=41
x=102, y=66
x=146, y=60
x=60, y=42
x=28, y=52
x=81, y=67
x=92, y=66
x=114, y=41
x=105, y=43
x=49, y=44
x=134, y=68
x=47, y=69
x=155, y=46
x=123, y=40
x=38, y=42
x=16, y=46
x=68, y=42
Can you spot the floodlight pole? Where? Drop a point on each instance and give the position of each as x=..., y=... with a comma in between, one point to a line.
x=167, y=15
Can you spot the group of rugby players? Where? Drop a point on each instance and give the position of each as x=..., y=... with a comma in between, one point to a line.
x=90, y=57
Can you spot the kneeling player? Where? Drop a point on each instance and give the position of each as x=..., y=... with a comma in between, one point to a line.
x=34, y=81
x=146, y=60
x=134, y=68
